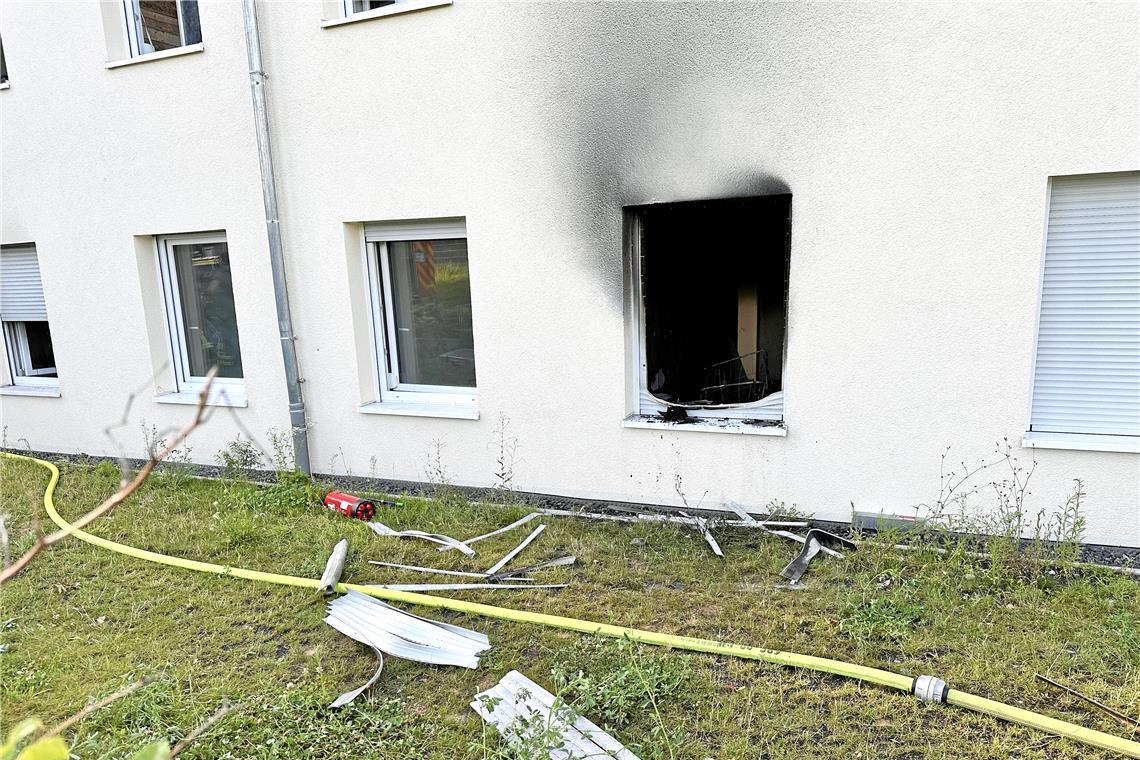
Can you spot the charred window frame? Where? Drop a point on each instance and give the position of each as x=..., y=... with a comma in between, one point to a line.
x=708, y=305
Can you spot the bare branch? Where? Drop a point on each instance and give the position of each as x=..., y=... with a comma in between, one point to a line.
x=226, y=708
x=124, y=462
x=121, y=495
x=123, y=692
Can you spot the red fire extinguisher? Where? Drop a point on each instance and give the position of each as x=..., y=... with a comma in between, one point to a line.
x=350, y=506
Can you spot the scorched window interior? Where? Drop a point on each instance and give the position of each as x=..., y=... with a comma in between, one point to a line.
x=712, y=278
x=421, y=292
x=201, y=317
x=156, y=25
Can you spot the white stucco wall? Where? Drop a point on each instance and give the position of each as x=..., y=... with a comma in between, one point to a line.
x=916, y=140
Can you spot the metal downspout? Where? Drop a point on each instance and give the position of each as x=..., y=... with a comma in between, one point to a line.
x=297, y=418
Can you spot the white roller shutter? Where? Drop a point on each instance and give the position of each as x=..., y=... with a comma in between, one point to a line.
x=21, y=291
x=1087, y=373
x=416, y=229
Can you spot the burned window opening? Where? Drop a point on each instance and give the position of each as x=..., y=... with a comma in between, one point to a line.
x=713, y=286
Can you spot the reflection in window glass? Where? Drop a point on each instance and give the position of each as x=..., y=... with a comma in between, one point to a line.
x=206, y=296
x=166, y=24
x=431, y=290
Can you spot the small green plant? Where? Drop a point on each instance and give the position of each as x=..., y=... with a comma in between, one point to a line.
x=108, y=469
x=293, y=491
x=440, y=480
x=338, y=455
x=532, y=736
x=881, y=618
x=282, y=447
x=506, y=445
x=238, y=457
x=619, y=682
x=1058, y=537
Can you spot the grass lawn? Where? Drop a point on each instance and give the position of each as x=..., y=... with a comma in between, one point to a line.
x=87, y=621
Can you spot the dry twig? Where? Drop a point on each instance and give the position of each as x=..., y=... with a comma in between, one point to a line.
x=226, y=708
x=123, y=692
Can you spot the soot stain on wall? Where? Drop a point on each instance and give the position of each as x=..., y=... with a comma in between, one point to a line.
x=622, y=128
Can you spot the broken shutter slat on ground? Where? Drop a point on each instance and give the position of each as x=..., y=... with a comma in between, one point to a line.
x=1087, y=373
x=21, y=290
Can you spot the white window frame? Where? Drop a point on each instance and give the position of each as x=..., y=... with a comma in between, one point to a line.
x=382, y=324
x=345, y=14
x=132, y=20
x=233, y=387
x=19, y=356
x=643, y=403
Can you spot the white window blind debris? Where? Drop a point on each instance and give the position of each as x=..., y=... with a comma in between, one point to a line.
x=770, y=407
x=531, y=718
x=1087, y=371
x=21, y=290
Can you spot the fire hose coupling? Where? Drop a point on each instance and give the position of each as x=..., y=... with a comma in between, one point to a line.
x=929, y=689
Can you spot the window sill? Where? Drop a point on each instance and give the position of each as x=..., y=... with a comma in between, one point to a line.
x=737, y=427
x=44, y=391
x=407, y=6
x=1128, y=444
x=234, y=397
x=172, y=53
x=407, y=409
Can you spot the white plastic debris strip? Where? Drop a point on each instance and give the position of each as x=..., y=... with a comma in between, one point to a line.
x=381, y=529
x=493, y=577
x=516, y=575
x=515, y=552
x=461, y=573
x=504, y=529
x=523, y=713
x=395, y=632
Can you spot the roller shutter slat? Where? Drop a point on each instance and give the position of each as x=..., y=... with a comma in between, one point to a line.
x=21, y=291
x=1087, y=373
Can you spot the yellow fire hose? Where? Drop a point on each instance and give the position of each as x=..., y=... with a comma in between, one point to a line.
x=872, y=675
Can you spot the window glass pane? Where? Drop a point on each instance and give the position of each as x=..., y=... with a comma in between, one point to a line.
x=359, y=6
x=206, y=295
x=40, y=353
x=431, y=287
x=158, y=25
x=191, y=27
